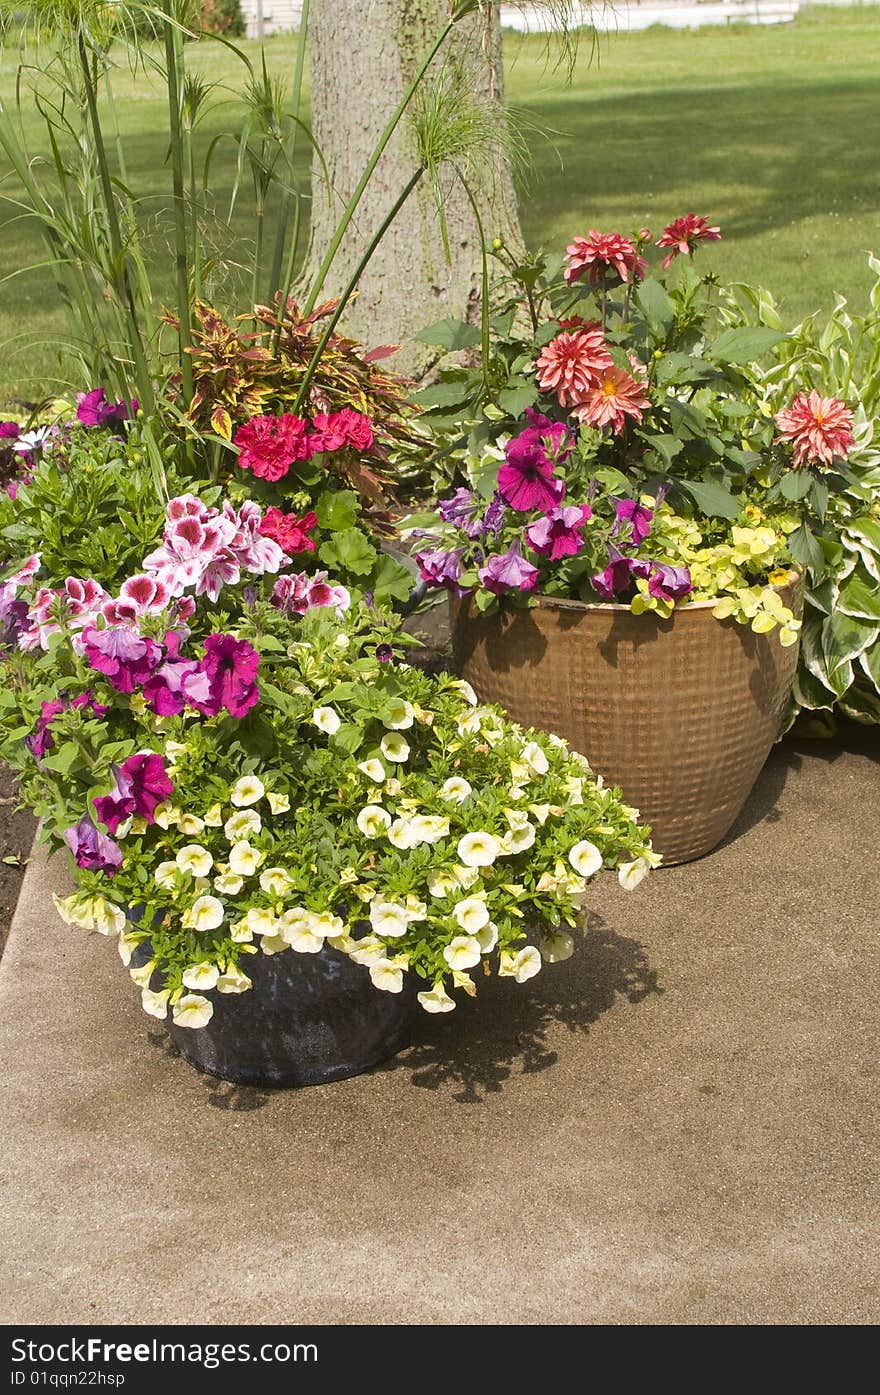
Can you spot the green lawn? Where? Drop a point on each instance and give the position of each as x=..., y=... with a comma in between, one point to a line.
x=772, y=132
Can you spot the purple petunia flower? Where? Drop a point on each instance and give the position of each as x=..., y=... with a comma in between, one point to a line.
x=558, y=533
x=141, y=783
x=442, y=568
x=461, y=511
x=230, y=666
x=91, y=848
x=41, y=739
x=508, y=572
x=617, y=576
x=9, y=430
x=123, y=655
x=669, y=583
x=633, y=520
x=93, y=409
x=528, y=480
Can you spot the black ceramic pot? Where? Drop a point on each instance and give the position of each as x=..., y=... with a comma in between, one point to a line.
x=309, y=1019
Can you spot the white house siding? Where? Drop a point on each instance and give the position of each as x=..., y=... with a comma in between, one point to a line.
x=278, y=16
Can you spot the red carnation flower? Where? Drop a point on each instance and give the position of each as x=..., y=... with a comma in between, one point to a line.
x=270, y=445
x=683, y=234
x=340, y=429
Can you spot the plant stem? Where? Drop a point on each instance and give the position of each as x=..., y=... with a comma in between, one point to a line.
x=351, y=287
x=184, y=334
x=284, y=215
x=123, y=284
x=485, y=344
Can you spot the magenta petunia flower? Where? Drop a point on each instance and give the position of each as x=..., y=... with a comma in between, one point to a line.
x=633, y=521
x=122, y=654
x=9, y=430
x=41, y=739
x=559, y=532
x=230, y=666
x=617, y=576
x=528, y=480
x=141, y=784
x=601, y=253
x=93, y=409
x=669, y=583
x=683, y=235
x=91, y=848
x=508, y=571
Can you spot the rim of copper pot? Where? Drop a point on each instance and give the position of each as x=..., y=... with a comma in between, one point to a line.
x=569, y=603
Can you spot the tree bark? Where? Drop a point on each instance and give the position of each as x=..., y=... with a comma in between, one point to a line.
x=362, y=58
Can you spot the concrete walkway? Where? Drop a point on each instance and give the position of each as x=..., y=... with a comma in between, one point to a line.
x=677, y=1126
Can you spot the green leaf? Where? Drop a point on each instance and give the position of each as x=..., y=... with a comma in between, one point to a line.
x=656, y=306
x=795, y=485
x=450, y=335
x=843, y=638
x=859, y=595
x=743, y=345
x=337, y=509
x=445, y=394
x=711, y=498
x=392, y=580
x=350, y=551
x=347, y=738
x=667, y=447
x=514, y=399
x=63, y=759
x=870, y=662
x=278, y=698
x=805, y=549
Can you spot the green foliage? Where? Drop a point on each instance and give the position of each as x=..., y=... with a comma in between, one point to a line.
x=93, y=508
x=838, y=542
x=325, y=815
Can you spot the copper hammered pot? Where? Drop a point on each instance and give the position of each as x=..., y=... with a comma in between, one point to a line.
x=680, y=713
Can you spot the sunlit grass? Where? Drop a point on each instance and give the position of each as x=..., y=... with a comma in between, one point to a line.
x=771, y=132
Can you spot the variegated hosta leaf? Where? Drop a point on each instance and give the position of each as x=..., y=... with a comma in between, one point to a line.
x=860, y=596
x=844, y=637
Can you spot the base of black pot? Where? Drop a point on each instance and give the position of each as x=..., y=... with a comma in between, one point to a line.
x=309, y=1019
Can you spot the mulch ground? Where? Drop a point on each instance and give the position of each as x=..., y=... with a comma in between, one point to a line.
x=17, y=828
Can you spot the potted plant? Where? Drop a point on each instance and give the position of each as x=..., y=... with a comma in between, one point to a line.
x=291, y=834
x=620, y=555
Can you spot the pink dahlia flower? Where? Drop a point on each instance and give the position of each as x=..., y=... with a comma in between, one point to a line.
x=683, y=235
x=819, y=428
x=572, y=363
x=603, y=252
x=616, y=397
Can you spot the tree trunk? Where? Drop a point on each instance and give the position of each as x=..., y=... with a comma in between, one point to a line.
x=362, y=57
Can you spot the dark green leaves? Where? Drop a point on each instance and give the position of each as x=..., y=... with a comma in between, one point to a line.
x=450, y=335
x=743, y=345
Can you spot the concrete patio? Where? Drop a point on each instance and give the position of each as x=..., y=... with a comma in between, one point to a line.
x=679, y=1125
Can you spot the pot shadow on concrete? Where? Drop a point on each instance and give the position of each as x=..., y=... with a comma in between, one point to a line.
x=786, y=759
x=222, y=1094
x=504, y=1031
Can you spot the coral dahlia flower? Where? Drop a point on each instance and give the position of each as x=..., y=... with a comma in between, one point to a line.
x=603, y=252
x=572, y=363
x=616, y=397
x=819, y=428
x=683, y=234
